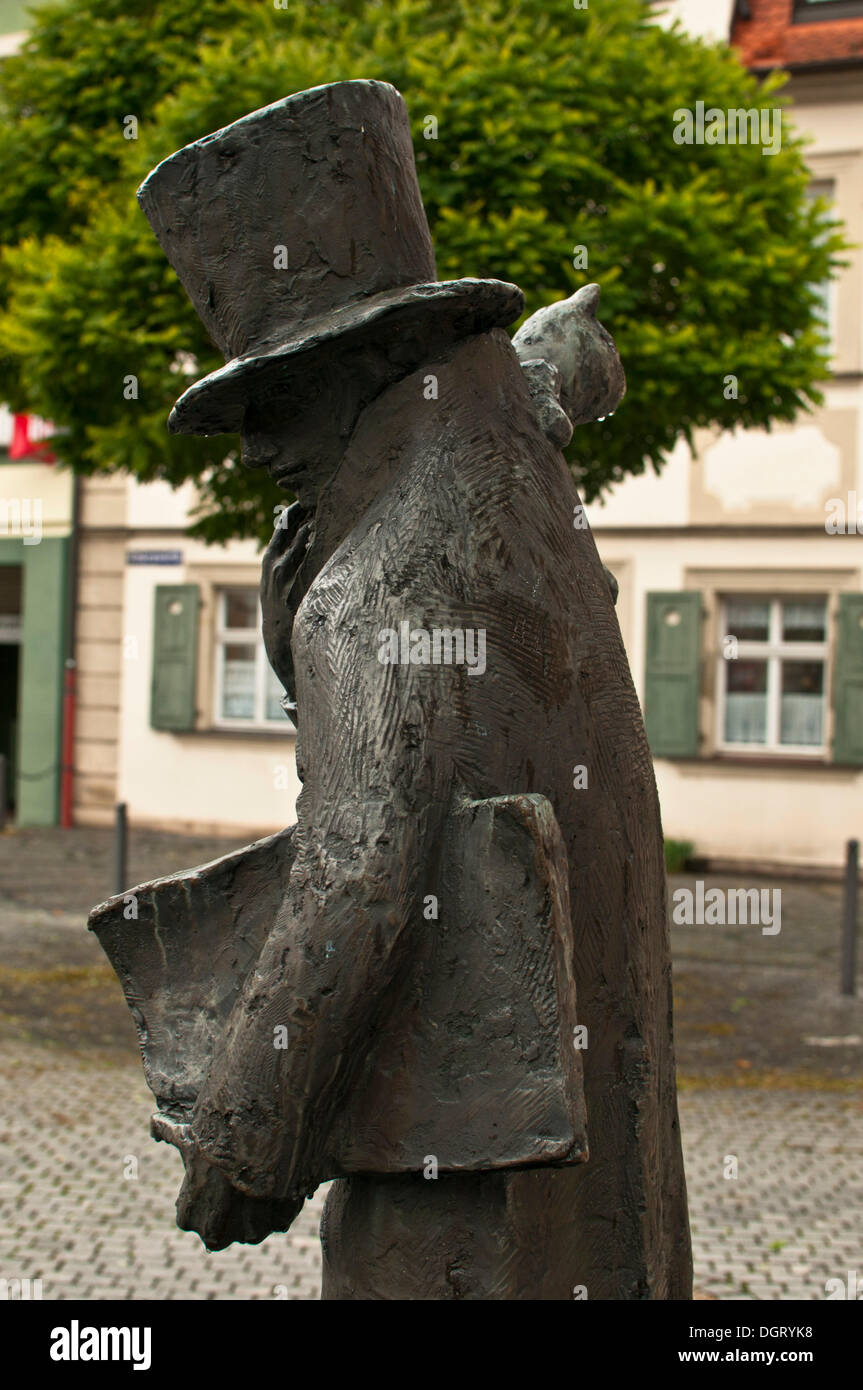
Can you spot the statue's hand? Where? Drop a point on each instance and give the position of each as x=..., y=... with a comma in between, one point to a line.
x=282, y=559
x=210, y=1206
x=544, y=384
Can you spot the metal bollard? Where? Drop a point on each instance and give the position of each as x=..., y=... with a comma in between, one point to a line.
x=121, y=876
x=848, y=980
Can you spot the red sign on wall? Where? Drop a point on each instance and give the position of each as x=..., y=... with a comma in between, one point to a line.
x=29, y=439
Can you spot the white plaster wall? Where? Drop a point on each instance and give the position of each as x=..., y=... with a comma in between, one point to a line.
x=745, y=469
x=207, y=782
x=152, y=505
x=833, y=127
x=44, y=484
x=704, y=19
x=798, y=817
x=648, y=500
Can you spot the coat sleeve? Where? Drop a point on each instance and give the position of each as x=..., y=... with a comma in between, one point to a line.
x=377, y=788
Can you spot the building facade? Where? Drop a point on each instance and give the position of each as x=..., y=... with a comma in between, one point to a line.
x=740, y=571
x=36, y=507
x=741, y=567
x=178, y=712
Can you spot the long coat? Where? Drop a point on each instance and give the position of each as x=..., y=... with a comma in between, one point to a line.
x=451, y=510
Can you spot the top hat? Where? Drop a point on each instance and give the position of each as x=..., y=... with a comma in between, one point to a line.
x=299, y=225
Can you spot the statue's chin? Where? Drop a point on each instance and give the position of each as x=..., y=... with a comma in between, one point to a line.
x=304, y=485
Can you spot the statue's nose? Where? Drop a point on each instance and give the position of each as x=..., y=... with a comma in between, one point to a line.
x=259, y=450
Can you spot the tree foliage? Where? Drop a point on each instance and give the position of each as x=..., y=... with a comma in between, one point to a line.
x=554, y=131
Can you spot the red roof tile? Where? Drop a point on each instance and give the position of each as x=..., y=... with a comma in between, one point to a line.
x=771, y=38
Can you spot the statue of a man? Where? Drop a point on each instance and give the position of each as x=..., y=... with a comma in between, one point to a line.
x=461, y=949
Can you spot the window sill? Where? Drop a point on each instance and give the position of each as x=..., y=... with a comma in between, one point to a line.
x=267, y=735
x=762, y=761
x=771, y=759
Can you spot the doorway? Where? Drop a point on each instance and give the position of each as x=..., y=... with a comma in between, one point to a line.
x=10, y=672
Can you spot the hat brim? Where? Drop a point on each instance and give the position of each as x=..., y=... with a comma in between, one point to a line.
x=217, y=403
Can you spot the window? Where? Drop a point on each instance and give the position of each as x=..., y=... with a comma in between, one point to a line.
x=773, y=675
x=247, y=692
x=826, y=289
x=811, y=11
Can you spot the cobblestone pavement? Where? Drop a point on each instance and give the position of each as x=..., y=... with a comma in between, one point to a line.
x=754, y=1009
x=87, y=1198
x=793, y=1216
x=74, y=1214
x=71, y=870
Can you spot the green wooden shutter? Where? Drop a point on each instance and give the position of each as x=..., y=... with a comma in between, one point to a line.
x=175, y=657
x=848, y=682
x=672, y=674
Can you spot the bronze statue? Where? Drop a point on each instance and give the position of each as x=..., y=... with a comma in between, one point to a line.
x=447, y=987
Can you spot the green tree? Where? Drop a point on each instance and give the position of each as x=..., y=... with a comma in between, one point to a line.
x=554, y=131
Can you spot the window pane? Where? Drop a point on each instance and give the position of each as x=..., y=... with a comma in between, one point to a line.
x=804, y=620
x=273, y=696
x=238, y=682
x=802, y=707
x=826, y=189
x=748, y=619
x=241, y=608
x=746, y=702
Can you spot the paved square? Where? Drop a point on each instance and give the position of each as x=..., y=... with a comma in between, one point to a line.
x=87, y=1198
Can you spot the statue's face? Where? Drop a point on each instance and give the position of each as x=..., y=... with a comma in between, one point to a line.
x=301, y=434
x=298, y=435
